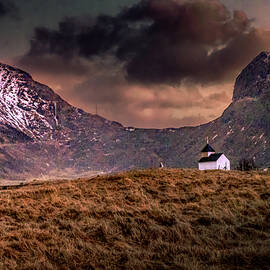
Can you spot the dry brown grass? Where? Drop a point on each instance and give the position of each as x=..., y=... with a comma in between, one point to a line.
x=153, y=219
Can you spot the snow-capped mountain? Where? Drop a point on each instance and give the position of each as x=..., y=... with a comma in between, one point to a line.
x=25, y=105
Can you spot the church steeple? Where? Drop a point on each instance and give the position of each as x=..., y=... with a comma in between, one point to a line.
x=207, y=150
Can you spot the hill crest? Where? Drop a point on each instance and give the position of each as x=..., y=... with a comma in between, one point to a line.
x=150, y=219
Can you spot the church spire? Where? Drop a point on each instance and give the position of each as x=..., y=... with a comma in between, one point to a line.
x=207, y=150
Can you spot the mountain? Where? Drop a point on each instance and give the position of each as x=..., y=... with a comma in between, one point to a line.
x=40, y=133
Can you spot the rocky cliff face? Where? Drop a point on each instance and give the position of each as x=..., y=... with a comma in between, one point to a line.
x=35, y=110
x=254, y=80
x=26, y=105
x=41, y=134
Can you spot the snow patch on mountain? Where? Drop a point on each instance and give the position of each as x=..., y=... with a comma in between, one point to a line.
x=21, y=107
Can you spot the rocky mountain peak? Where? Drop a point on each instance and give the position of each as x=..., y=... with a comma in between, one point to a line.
x=9, y=70
x=254, y=79
x=26, y=105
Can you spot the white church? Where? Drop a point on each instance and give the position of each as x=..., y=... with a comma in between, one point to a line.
x=210, y=160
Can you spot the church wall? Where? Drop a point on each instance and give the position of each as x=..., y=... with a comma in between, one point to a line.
x=223, y=163
x=211, y=165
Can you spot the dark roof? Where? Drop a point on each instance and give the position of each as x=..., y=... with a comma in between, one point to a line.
x=208, y=148
x=213, y=157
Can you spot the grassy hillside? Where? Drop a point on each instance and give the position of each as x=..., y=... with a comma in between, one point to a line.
x=153, y=219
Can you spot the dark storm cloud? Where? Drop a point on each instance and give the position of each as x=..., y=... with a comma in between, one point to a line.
x=7, y=8
x=159, y=41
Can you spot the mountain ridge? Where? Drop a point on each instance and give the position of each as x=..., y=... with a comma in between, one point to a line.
x=41, y=133
x=254, y=78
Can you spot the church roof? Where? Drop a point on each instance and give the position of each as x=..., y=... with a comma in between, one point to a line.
x=207, y=149
x=212, y=157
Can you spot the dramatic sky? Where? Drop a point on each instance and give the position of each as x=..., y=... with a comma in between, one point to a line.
x=144, y=63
